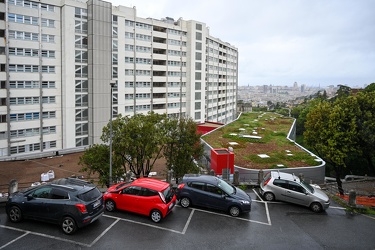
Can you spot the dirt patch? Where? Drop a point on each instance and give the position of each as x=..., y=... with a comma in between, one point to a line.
x=27, y=172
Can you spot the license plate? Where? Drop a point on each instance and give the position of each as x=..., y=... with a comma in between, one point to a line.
x=96, y=204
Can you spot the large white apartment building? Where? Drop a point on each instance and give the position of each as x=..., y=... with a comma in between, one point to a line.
x=59, y=57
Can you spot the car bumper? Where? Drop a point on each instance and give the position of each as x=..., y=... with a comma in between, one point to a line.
x=246, y=208
x=325, y=205
x=91, y=218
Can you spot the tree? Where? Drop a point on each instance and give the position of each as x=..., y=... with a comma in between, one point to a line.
x=137, y=141
x=331, y=130
x=370, y=88
x=182, y=145
x=366, y=127
x=95, y=160
x=300, y=112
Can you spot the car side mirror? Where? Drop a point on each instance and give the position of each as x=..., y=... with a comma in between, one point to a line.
x=29, y=197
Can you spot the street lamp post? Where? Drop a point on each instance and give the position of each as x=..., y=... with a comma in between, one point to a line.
x=112, y=83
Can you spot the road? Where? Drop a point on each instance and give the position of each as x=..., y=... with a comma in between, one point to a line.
x=275, y=225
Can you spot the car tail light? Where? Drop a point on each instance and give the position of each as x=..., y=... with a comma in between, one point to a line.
x=181, y=186
x=266, y=181
x=81, y=208
x=162, y=197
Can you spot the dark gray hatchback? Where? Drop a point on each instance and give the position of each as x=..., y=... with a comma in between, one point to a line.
x=212, y=192
x=70, y=202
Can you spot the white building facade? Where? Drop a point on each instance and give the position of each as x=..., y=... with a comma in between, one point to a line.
x=59, y=57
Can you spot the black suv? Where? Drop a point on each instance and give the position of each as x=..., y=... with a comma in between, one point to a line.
x=69, y=202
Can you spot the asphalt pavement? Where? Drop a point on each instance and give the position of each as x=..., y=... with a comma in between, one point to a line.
x=270, y=225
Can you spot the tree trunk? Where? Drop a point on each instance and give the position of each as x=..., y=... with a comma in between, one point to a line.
x=371, y=166
x=338, y=179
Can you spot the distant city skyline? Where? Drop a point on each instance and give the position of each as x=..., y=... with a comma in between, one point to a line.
x=285, y=41
x=310, y=86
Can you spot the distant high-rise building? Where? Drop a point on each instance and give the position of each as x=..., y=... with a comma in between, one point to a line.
x=295, y=85
x=58, y=58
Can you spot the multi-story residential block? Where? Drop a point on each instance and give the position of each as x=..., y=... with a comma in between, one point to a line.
x=66, y=63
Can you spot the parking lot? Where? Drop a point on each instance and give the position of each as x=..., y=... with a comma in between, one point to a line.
x=267, y=226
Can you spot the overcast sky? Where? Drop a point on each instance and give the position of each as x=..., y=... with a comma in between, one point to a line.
x=312, y=42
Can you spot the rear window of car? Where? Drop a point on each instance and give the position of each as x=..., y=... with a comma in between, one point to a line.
x=168, y=194
x=91, y=195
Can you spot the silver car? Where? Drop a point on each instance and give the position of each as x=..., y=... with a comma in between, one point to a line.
x=288, y=187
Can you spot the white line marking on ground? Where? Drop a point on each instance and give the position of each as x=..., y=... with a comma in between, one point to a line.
x=342, y=208
x=236, y=218
x=368, y=216
x=104, y=232
x=268, y=214
x=188, y=222
x=10, y=242
x=47, y=236
x=260, y=198
x=143, y=224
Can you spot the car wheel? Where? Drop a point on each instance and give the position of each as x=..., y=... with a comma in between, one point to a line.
x=185, y=202
x=234, y=211
x=15, y=214
x=68, y=225
x=269, y=196
x=316, y=207
x=156, y=216
x=110, y=205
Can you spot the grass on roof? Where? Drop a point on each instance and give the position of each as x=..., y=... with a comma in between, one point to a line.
x=273, y=130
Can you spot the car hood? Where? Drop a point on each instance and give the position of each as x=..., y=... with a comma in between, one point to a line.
x=240, y=194
x=320, y=194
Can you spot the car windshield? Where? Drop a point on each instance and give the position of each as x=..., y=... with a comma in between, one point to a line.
x=225, y=187
x=307, y=186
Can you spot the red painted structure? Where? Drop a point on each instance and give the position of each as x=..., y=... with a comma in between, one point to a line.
x=206, y=127
x=222, y=158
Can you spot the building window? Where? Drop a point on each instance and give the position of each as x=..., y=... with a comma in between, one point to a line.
x=48, y=23
x=82, y=142
x=198, y=36
x=198, y=66
x=82, y=129
x=197, y=106
x=198, y=56
x=81, y=100
x=198, y=46
x=82, y=115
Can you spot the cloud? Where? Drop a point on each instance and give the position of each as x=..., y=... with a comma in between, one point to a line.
x=283, y=41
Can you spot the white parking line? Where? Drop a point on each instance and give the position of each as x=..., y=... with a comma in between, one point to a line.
x=143, y=224
x=104, y=232
x=10, y=242
x=40, y=234
x=188, y=222
x=260, y=198
x=236, y=218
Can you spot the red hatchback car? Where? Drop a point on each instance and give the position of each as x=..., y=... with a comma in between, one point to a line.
x=144, y=196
